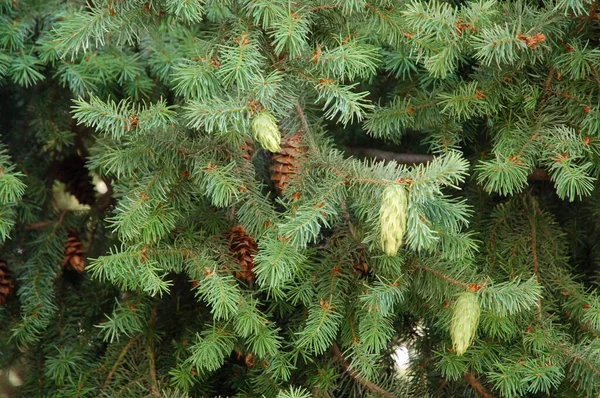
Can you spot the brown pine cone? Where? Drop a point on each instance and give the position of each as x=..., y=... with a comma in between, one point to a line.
x=244, y=249
x=285, y=163
x=74, y=253
x=6, y=284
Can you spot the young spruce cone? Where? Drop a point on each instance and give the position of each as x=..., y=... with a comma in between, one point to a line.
x=73, y=173
x=286, y=162
x=392, y=218
x=74, y=254
x=464, y=321
x=244, y=249
x=5, y=282
x=266, y=132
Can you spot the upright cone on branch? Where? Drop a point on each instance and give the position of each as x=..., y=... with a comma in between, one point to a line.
x=74, y=253
x=465, y=320
x=285, y=162
x=244, y=248
x=266, y=132
x=6, y=284
x=393, y=214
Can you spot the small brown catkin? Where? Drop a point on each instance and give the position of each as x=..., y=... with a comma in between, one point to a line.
x=285, y=163
x=6, y=284
x=244, y=248
x=74, y=253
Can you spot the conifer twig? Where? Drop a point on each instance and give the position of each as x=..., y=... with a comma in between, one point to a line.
x=419, y=158
x=534, y=255
x=595, y=74
x=152, y=358
x=444, y=277
x=37, y=225
x=152, y=365
x=402, y=158
x=43, y=224
x=302, y=117
x=477, y=386
x=374, y=388
x=118, y=362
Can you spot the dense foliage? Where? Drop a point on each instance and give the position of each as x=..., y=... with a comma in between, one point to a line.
x=240, y=250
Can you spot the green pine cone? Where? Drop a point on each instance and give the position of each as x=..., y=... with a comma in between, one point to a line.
x=392, y=218
x=266, y=132
x=464, y=321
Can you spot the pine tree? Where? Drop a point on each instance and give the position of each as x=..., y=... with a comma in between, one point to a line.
x=237, y=243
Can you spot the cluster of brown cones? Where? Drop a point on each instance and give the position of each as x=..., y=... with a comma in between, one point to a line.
x=243, y=248
x=6, y=284
x=284, y=167
x=74, y=254
x=285, y=163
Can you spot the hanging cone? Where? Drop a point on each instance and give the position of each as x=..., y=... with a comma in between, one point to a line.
x=286, y=162
x=73, y=173
x=74, y=254
x=244, y=248
x=5, y=282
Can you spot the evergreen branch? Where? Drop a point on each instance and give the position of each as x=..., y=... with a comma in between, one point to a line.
x=118, y=362
x=37, y=225
x=369, y=385
x=534, y=254
x=43, y=224
x=444, y=277
x=477, y=386
x=302, y=116
x=595, y=74
x=420, y=158
x=152, y=366
x=401, y=158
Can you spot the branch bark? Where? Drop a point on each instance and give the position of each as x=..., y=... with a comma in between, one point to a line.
x=372, y=387
x=302, y=116
x=402, y=158
x=118, y=362
x=44, y=224
x=477, y=386
x=419, y=158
